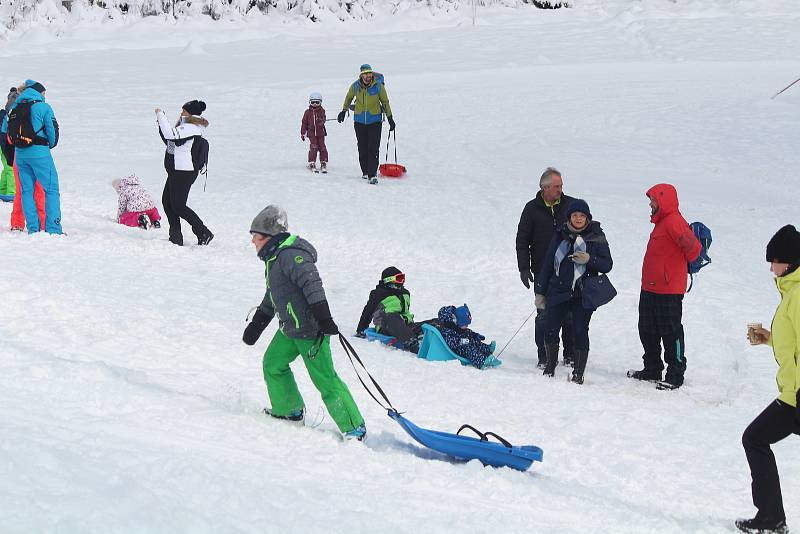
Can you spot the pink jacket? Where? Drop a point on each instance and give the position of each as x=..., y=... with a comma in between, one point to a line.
x=313, y=124
x=132, y=196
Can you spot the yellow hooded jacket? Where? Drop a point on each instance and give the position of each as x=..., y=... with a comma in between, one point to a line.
x=785, y=339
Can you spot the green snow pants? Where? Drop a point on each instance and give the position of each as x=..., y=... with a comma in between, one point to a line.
x=7, y=183
x=282, y=389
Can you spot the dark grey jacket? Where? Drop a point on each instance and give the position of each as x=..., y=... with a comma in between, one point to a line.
x=293, y=285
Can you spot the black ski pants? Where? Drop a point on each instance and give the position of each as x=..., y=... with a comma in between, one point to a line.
x=369, y=143
x=393, y=324
x=660, y=323
x=777, y=421
x=176, y=193
x=579, y=323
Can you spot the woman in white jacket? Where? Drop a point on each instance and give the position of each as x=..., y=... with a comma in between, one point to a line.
x=181, y=171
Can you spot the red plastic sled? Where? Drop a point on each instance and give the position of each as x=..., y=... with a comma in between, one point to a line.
x=392, y=170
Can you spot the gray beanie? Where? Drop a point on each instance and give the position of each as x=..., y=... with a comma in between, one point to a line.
x=271, y=221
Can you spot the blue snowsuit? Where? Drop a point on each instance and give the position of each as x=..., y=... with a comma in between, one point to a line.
x=35, y=163
x=462, y=341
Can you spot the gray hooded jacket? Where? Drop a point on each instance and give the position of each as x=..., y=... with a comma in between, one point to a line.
x=293, y=285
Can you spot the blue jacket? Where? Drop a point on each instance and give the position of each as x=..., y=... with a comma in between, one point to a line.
x=43, y=121
x=557, y=286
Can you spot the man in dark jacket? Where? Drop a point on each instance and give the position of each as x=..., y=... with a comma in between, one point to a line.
x=537, y=224
x=295, y=294
x=671, y=247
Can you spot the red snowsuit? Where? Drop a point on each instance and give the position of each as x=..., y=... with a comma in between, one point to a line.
x=672, y=245
x=313, y=127
x=17, y=215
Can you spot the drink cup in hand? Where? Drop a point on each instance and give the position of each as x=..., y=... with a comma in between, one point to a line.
x=754, y=333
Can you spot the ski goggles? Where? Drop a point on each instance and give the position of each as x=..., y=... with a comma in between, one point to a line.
x=315, y=102
x=398, y=278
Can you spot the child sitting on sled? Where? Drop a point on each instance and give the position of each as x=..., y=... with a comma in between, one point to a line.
x=388, y=307
x=135, y=206
x=453, y=324
x=313, y=127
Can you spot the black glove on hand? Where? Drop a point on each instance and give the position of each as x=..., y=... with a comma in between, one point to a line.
x=322, y=314
x=340, y=116
x=256, y=327
x=391, y=123
x=526, y=278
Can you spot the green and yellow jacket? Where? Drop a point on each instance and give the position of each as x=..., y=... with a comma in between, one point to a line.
x=371, y=101
x=785, y=339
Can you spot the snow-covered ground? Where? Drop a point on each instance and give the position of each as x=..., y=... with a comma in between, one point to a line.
x=128, y=402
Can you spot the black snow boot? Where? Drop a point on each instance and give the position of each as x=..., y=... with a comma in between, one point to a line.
x=143, y=222
x=581, y=357
x=759, y=525
x=551, y=350
x=645, y=374
x=204, y=237
x=570, y=357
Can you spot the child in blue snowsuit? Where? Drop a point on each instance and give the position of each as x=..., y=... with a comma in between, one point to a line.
x=452, y=323
x=34, y=162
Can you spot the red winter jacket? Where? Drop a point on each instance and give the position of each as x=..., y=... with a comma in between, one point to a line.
x=313, y=124
x=672, y=245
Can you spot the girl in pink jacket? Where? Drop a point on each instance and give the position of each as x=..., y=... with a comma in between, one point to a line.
x=313, y=127
x=136, y=206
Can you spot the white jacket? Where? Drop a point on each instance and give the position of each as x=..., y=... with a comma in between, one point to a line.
x=179, y=138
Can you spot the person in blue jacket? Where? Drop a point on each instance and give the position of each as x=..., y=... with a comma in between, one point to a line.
x=33, y=140
x=579, y=249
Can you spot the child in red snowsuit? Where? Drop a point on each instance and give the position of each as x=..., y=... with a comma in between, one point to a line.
x=313, y=127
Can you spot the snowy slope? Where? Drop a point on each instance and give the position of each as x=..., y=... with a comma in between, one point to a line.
x=129, y=404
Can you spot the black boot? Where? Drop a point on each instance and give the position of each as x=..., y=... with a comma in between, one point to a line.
x=551, y=350
x=581, y=356
x=762, y=525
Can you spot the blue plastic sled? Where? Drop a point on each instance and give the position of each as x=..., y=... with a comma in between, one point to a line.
x=7, y=198
x=469, y=448
x=434, y=348
x=372, y=335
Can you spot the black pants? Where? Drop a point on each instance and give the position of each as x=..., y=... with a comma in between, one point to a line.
x=393, y=324
x=777, y=421
x=660, y=323
x=540, y=328
x=369, y=142
x=579, y=324
x=176, y=192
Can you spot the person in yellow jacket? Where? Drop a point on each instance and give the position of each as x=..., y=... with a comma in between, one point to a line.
x=782, y=417
x=371, y=104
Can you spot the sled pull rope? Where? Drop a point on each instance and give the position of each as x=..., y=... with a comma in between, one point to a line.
x=389, y=136
x=483, y=435
x=515, y=334
x=351, y=353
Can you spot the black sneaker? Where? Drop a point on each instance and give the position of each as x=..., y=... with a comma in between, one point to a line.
x=294, y=417
x=541, y=365
x=669, y=383
x=156, y=224
x=205, y=238
x=645, y=374
x=761, y=526
x=143, y=222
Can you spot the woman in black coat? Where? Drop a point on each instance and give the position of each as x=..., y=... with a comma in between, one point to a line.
x=578, y=250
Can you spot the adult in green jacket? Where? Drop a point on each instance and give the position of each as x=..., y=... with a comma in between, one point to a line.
x=371, y=104
x=295, y=294
x=782, y=417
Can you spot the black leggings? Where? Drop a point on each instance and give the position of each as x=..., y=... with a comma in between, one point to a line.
x=777, y=421
x=369, y=143
x=176, y=192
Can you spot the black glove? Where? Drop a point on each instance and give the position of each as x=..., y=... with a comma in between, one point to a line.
x=340, y=116
x=322, y=314
x=526, y=278
x=256, y=327
x=391, y=123
x=361, y=334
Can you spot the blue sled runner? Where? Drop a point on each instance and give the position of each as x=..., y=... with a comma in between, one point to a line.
x=501, y=454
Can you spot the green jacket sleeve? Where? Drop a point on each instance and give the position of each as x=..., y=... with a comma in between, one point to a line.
x=348, y=99
x=384, y=98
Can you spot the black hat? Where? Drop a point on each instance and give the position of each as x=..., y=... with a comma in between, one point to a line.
x=784, y=247
x=195, y=107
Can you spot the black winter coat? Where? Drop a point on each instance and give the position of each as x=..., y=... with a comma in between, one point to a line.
x=557, y=286
x=537, y=224
x=376, y=296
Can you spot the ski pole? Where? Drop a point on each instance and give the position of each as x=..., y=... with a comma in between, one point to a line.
x=785, y=88
x=515, y=334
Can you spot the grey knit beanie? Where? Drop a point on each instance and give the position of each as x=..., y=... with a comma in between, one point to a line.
x=271, y=221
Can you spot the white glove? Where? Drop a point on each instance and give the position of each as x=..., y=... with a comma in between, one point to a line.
x=581, y=257
x=539, y=302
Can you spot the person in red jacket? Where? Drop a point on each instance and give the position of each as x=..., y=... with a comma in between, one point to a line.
x=671, y=247
x=313, y=127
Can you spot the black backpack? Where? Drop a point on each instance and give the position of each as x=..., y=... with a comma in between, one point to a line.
x=200, y=154
x=20, y=128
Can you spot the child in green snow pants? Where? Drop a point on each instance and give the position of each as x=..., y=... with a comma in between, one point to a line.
x=282, y=389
